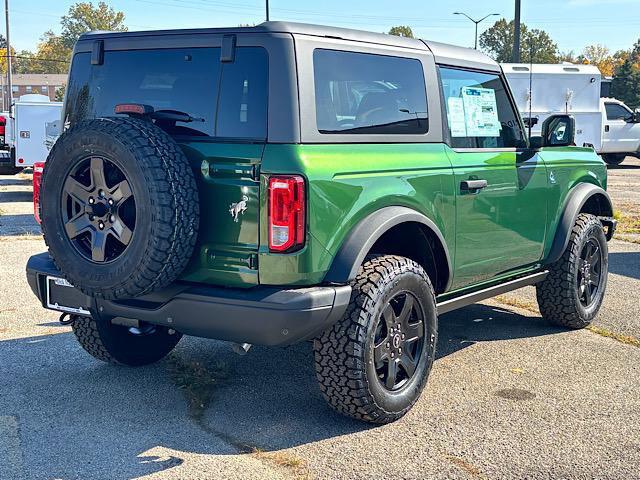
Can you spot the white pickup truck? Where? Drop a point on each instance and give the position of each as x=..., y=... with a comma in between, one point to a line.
x=607, y=124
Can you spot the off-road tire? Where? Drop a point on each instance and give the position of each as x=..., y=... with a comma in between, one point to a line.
x=115, y=344
x=613, y=158
x=166, y=202
x=558, y=297
x=342, y=353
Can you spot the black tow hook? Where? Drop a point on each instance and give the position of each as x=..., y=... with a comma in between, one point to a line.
x=66, y=321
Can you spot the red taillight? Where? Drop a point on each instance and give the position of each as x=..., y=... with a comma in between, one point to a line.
x=38, y=168
x=3, y=124
x=286, y=213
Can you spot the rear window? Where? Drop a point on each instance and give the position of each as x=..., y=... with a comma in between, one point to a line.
x=227, y=99
x=364, y=93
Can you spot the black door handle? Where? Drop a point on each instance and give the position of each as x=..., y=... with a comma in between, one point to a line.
x=472, y=185
x=606, y=128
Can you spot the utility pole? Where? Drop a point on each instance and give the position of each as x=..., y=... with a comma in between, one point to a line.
x=9, y=87
x=267, y=4
x=516, y=34
x=476, y=22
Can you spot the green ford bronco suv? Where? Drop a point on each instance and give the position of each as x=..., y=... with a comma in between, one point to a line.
x=286, y=183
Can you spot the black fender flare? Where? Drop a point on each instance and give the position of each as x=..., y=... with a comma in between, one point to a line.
x=572, y=207
x=364, y=235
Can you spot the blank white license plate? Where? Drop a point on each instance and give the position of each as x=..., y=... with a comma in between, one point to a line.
x=62, y=296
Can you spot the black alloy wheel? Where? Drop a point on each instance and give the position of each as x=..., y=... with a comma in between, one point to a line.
x=397, y=346
x=589, y=272
x=98, y=210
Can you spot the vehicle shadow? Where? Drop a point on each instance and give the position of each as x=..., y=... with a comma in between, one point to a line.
x=19, y=224
x=78, y=417
x=623, y=166
x=24, y=196
x=625, y=263
x=14, y=181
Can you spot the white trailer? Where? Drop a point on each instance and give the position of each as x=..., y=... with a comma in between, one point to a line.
x=31, y=131
x=575, y=90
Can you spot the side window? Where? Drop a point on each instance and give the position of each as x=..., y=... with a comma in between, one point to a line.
x=616, y=112
x=479, y=113
x=242, y=105
x=361, y=93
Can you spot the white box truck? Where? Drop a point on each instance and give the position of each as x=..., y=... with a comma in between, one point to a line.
x=608, y=125
x=31, y=132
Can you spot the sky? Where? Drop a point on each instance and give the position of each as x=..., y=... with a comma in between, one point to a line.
x=573, y=24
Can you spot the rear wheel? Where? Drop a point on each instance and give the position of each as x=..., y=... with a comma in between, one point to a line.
x=613, y=158
x=122, y=345
x=572, y=293
x=374, y=363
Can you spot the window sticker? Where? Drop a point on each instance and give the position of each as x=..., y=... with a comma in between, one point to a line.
x=455, y=115
x=480, y=112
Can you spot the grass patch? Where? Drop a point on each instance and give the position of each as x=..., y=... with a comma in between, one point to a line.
x=516, y=302
x=197, y=381
x=627, y=238
x=603, y=332
x=628, y=216
x=293, y=464
x=465, y=465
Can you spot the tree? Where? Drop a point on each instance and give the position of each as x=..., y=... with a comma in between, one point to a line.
x=625, y=85
x=84, y=17
x=498, y=40
x=60, y=93
x=401, y=31
x=601, y=57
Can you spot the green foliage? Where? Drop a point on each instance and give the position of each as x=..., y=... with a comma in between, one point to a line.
x=60, y=93
x=401, y=31
x=626, y=80
x=498, y=40
x=84, y=17
x=54, y=51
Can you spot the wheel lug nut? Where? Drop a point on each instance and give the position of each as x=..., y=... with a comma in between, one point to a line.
x=112, y=218
x=101, y=225
x=92, y=218
x=91, y=201
x=403, y=336
x=101, y=194
x=388, y=345
x=393, y=354
x=110, y=201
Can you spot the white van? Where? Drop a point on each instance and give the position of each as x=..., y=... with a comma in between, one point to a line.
x=31, y=132
x=608, y=125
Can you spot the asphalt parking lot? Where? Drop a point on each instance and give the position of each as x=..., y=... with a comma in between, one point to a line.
x=509, y=395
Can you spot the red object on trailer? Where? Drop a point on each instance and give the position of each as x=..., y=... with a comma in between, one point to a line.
x=38, y=168
x=3, y=126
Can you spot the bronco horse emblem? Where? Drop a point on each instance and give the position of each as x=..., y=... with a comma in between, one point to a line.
x=236, y=209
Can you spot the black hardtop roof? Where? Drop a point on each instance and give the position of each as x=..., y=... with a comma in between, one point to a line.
x=444, y=53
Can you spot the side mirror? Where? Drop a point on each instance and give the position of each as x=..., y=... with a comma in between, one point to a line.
x=559, y=131
x=635, y=118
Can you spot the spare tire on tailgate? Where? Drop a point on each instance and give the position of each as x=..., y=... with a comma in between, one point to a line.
x=120, y=209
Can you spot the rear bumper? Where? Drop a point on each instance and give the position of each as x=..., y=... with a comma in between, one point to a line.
x=260, y=315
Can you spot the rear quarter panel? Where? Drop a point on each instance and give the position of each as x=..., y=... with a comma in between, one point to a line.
x=345, y=183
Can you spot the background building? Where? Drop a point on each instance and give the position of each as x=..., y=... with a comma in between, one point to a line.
x=24, y=83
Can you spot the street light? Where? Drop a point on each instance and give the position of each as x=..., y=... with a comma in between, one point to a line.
x=476, y=22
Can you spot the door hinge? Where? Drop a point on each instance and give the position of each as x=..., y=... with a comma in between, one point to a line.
x=255, y=172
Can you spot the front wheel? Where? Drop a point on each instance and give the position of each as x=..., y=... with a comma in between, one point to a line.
x=122, y=345
x=572, y=293
x=373, y=364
